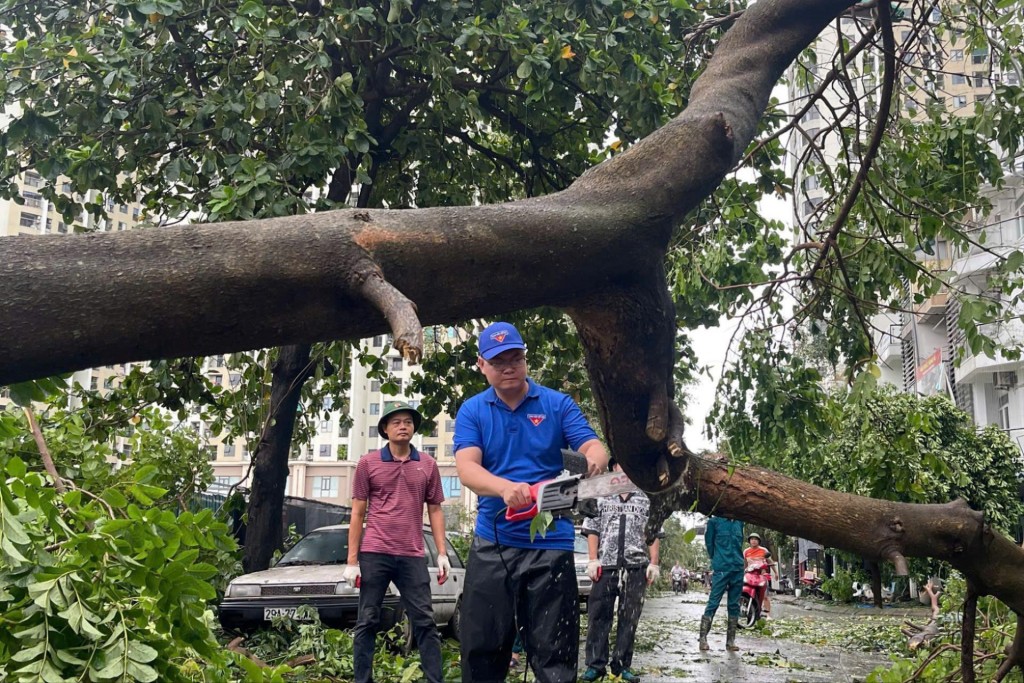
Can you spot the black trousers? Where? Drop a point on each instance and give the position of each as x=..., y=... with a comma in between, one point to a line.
x=628, y=586
x=537, y=593
x=412, y=579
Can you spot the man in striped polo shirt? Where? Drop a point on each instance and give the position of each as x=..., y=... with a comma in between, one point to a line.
x=390, y=487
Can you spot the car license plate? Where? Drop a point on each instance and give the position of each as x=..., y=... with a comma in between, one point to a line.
x=290, y=612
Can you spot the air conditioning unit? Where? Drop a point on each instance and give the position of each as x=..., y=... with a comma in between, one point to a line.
x=1004, y=380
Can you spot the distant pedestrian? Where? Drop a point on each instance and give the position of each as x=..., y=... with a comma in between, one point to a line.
x=724, y=540
x=389, y=489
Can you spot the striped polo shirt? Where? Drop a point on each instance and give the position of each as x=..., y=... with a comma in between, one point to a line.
x=395, y=492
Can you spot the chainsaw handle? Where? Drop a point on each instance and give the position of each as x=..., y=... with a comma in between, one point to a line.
x=527, y=512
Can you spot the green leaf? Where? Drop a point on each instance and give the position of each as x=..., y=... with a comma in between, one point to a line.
x=140, y=652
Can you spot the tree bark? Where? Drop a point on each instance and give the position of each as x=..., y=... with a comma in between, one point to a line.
x=264, y=533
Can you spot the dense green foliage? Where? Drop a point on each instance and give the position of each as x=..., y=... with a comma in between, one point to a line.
x=895, y=446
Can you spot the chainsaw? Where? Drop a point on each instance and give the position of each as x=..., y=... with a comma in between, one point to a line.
x=563, y=493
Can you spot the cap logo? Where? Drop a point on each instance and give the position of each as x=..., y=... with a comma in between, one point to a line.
x=499, y=336
x=536, y=419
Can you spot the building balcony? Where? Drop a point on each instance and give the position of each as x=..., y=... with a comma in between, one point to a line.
x=979, y=368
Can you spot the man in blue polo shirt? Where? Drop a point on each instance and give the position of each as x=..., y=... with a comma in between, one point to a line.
x=506, y=438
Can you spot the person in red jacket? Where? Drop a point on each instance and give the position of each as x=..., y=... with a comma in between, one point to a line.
x=756, y=551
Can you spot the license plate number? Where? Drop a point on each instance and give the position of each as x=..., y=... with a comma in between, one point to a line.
x=290, y=612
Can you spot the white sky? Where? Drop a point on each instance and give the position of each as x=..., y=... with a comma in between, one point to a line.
x=711, y=346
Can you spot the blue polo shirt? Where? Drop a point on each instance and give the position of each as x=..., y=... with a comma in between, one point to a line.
x=521, y=445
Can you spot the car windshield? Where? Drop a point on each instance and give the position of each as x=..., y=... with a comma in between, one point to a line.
x=318, y=547
x=580, y=546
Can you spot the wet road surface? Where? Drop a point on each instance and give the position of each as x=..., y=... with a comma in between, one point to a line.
x=667, y=643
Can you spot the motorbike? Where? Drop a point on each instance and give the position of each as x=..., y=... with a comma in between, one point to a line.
x=755, y=586
x=785, y=585
x=679, y=585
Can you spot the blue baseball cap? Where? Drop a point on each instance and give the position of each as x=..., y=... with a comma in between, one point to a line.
x=498, y=337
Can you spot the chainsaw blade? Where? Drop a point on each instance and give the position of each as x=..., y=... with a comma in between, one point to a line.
x=602, y=485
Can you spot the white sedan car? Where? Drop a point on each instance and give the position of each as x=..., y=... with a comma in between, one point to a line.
x=310, y=574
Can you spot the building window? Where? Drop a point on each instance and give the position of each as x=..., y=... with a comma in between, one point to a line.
x=33, y=179
x=62, y=228
x=960, y=101
x=328, y=402
x=217, y=379
x=235, y=378
x=449, y=426
x=980, y=79
x=431, y=451
x=49, y=225
x=123, y=208
x=451, y=486
x=135, y=213
x=325, y=426
x=433, y=432
x=121, y=226
x=959, y=79
x=1003, y=406
x=94, y=383
x=229, y=450
x=396, y=364
x=325, y=487
x=30, y=220
x=65, y=188
x=378, y=341
x=33, y=199
x=342, y=452
x=211, y=453
x=325, y=450
x=374, y=409
x=343, y=432
x=449, y=451
x=371, y=432
x=979, y=56
x=375, y=385
x=956, y=56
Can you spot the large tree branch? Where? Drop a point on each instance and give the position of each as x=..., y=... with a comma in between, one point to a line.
x=204, y=289
x=874, y=529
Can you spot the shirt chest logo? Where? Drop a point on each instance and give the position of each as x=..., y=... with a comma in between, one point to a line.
x=536, y=419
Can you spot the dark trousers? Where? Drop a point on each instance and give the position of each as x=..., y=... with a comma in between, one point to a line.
x=722, y=582
x=537, y=592
x=628, y=586
x=412, y=579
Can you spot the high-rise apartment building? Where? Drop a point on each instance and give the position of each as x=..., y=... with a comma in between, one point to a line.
x=920, y=347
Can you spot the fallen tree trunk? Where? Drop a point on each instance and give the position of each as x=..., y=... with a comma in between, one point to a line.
x=874, y=529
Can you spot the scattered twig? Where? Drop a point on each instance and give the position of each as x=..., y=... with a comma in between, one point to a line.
x=44, y=452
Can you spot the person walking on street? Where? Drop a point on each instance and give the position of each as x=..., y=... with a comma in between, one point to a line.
x=756, y=552
x=506, y=438
x=389, y=489
x=724, y=540
x=621, y=568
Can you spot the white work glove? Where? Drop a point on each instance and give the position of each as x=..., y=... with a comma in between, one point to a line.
x=653, y=572
x=594, y=570
x=351, y=574
x=444, y=568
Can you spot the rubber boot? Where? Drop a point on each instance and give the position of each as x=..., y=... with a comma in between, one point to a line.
x=730, y=635
x=705, y=628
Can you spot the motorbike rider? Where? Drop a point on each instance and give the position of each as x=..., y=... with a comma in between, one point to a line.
x=758, y=553
x=678, y=573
